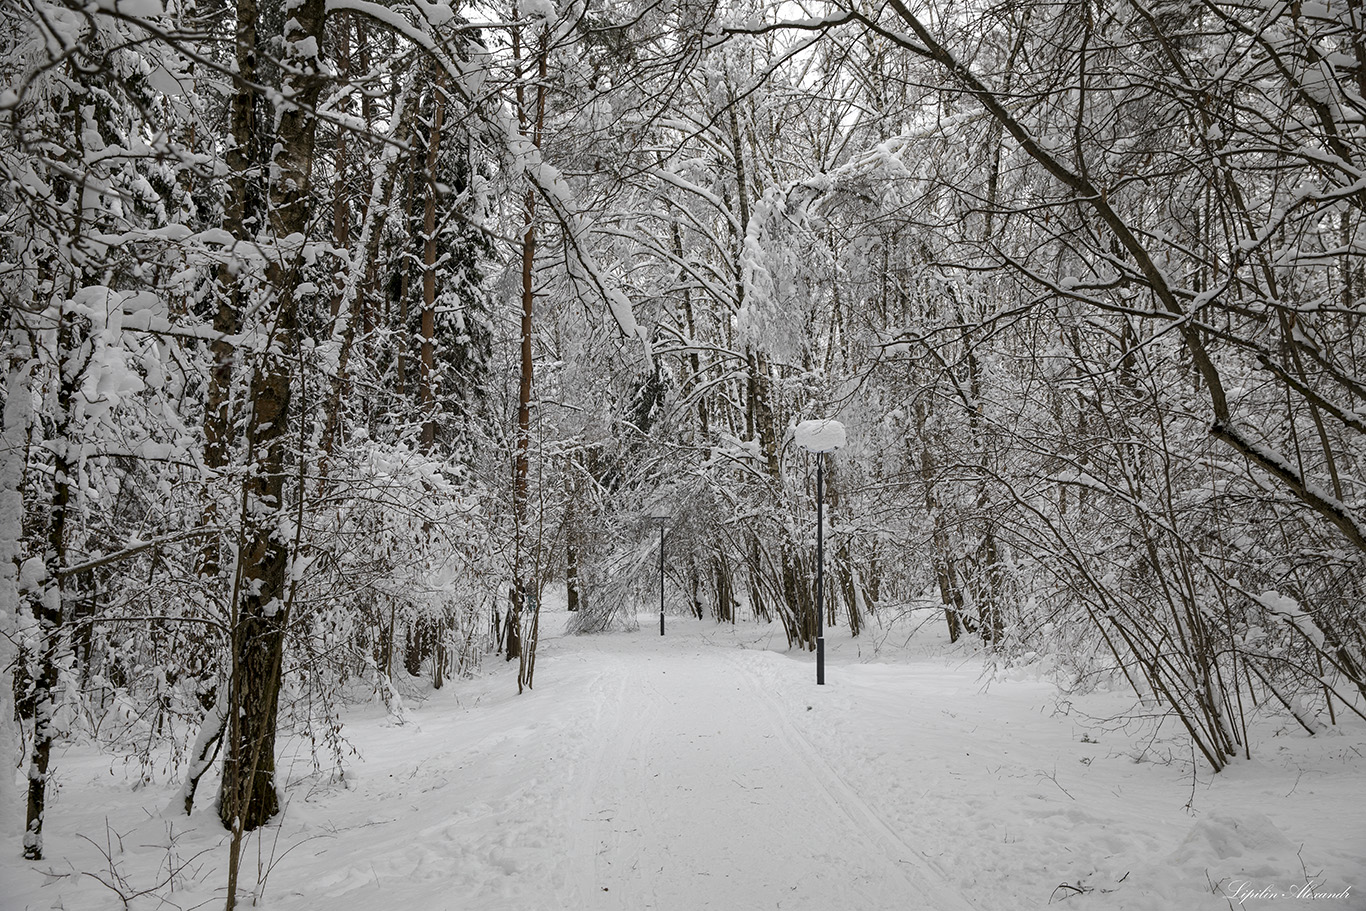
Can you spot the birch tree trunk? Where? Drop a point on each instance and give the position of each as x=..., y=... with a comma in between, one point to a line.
x=427, y=369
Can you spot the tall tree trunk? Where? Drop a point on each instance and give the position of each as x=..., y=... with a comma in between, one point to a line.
x=531, y=119
x=241, y=158
x=341, y=191
x=571, y=534
x=427, y=372
x=42, y=578
x=218, y=424
x=522, y=460
x=362, y=280
x=248, y=797
x=941, y=555
x=694, y=359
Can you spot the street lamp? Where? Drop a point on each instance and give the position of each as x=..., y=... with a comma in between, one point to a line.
x=820, y=437
x=661, y=515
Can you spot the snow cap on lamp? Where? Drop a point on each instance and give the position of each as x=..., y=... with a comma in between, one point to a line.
x=820, y=435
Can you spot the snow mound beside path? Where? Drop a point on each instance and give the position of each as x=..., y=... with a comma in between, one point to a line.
x=1239, y=860
x=1247, y=845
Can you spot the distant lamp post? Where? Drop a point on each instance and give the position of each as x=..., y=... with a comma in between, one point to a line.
x=661, y=515
x=818, y=438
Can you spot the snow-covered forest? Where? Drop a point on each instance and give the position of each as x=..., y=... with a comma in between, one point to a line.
x=345, y=340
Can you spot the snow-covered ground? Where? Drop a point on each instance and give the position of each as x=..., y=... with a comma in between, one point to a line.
x=705, y=769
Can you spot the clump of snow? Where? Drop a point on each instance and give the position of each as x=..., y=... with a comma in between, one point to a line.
x=437, y=13
x=620, y=306
x=32, y=574
x=544, y=9
x=820, y=435
x=145, y=8
x=1289, y=610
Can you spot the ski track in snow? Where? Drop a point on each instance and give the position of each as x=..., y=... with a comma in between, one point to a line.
x=690, y=804
x=924, y=880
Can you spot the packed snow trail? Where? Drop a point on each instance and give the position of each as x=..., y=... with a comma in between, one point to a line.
x=643, y=773
x=700, y=795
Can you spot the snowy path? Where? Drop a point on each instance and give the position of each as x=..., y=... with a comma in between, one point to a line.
x=641, y=774
x=706, y=769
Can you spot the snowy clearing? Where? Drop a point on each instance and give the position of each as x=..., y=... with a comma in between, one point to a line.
x=705, y=769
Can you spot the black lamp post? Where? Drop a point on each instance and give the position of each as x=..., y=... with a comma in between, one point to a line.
x=818, y=438
x=662, y=517
x=820, y=569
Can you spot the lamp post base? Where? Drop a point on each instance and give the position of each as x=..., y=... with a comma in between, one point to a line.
x=661, y=623
x=820, y=661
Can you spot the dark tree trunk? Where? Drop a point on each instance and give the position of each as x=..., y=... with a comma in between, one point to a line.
x=522, y=462
x=45, y=598
x=43, y=687
x=571, y=571
x=247, y=797
x=531, y=118
x=725, y=593
x=512, y=625
x=941, y=557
